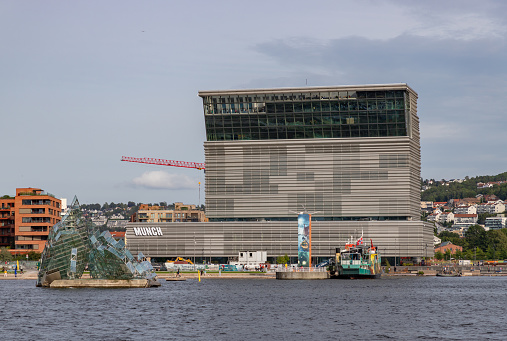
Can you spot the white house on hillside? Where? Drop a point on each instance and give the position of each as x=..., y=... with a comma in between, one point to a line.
x=466, y=209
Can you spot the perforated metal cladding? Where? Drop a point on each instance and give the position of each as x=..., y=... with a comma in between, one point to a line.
x=352, y=178
x=226, y=239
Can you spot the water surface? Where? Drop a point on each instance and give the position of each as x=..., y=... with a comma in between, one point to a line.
x=400, y=308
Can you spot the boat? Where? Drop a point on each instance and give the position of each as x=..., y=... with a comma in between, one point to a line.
x=357, y=260
x=448, y=272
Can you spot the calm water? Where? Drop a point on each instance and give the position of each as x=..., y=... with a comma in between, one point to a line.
x=402, y=308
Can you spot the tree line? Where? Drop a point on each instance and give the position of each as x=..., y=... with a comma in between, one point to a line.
x=477, y=243
x=466, y=189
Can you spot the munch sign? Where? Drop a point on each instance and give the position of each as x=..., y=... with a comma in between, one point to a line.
x=148, y=231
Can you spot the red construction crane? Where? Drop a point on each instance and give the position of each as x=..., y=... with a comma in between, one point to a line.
x=163, y=162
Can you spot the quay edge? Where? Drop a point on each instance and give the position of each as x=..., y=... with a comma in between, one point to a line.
x=104, y=283
x=296, y=275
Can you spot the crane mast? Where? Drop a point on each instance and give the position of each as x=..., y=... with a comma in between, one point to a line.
x=162, y=162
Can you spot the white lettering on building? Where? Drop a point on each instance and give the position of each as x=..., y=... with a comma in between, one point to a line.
x=148, y=231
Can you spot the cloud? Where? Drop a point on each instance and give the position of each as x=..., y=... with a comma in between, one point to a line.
x=461, y=85
x=457, y=19
x=163, y=180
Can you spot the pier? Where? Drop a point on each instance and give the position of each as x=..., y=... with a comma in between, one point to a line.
x=302, y=273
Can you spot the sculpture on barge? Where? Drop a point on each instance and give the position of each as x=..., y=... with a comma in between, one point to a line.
x=75, y=244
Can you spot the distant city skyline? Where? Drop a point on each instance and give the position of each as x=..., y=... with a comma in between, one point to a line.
x=85, y=83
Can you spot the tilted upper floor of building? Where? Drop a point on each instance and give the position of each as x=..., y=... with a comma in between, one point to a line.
x=347, y=152
x=310, y=112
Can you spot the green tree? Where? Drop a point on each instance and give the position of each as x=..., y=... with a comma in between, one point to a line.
x=447, y=236
x=491, y=252
x=479, y=254
x=481, y=217
x=475, y=236
x=5, y=255
x=283, y=259
x=32, y=255
x=468, y=254
x=439, y=255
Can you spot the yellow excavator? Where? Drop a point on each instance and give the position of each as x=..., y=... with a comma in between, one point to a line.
x=180, y=259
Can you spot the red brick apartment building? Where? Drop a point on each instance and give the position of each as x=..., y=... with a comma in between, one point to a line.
x=25, y=219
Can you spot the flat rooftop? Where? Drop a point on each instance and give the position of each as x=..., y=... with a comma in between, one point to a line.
x=366, y=87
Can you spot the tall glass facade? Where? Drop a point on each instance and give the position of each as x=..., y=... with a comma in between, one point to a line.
x=306, y=115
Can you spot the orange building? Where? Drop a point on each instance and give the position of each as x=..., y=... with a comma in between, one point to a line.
x=7, y=221
x=25, y=220
x=448, y=246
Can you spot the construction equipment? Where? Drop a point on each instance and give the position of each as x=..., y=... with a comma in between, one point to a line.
x=180, y=259
x=162, y=162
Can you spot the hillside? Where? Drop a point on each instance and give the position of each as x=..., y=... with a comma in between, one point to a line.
x=466, y=189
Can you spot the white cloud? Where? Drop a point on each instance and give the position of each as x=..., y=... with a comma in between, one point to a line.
x=462, y=27
x=163, y=180
x=458, y=20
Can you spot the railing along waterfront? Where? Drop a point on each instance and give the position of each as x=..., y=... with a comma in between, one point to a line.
x=301, y=269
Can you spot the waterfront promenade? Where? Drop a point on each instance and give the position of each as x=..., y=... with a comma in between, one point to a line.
x=214, y=275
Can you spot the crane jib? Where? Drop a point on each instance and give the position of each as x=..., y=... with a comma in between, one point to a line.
x=163, y=162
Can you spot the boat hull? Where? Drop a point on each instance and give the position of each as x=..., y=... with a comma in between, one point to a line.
x=355, y=276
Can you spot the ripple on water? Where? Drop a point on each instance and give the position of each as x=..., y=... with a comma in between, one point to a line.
x=426, y=308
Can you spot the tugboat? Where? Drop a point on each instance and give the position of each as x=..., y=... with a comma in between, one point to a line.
x=356, y=261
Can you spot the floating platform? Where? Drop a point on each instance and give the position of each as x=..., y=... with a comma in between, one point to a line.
x=175, y=279
x=298, y=275
x=104, y=283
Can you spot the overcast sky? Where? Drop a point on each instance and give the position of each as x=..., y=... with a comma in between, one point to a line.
x=84, y=82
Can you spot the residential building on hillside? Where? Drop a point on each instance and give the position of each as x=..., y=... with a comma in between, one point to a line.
x=490, y=198
x=466, y=209
x=434, y=216
x=438, y=204
x=446, y=217
x=119, y=224
x=470, y=219
x=472, y=201
x=493, y=223
x=157, y=214
x=99, y=220
x=491, y=208
x=482, y=185
x=427, y=206
x=26, y=219
x=463, y=221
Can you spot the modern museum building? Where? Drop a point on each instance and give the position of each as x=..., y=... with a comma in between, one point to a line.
x=349, y=155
